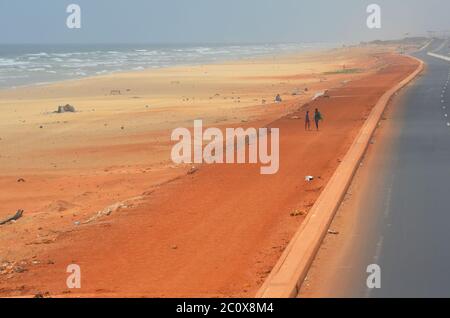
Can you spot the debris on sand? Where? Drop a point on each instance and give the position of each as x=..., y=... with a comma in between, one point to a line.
x=278, y=98
x=309, y=178
x=129, y=203
x=106, y=211
x=21, y=180
x=42, y=295
x=13, y=218
x=20, y=269
x=192, y=170
x=66, y=109
x=8, y=268
x=333, y=232
x=319, y=94
x=297, y=213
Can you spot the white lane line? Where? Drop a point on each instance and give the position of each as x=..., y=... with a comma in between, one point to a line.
x=387, y=209
x=377, y=255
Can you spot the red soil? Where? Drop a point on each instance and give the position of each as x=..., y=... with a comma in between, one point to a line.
x=219, y=231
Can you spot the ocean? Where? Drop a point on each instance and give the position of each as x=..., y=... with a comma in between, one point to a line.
x=22, y=65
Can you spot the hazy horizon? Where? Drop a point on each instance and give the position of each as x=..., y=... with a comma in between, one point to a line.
x=213, y=21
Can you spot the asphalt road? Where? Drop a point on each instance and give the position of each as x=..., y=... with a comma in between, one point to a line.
x=408, y=233
x=414, y=255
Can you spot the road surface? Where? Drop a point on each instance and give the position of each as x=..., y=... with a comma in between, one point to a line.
x=402, y=222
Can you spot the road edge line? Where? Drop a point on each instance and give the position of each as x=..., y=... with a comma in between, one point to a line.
x=291, y=269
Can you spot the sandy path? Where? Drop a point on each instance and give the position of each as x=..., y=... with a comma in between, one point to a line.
x=219, y=231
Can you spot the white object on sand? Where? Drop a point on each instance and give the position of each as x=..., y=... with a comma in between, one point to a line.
x=319, y=94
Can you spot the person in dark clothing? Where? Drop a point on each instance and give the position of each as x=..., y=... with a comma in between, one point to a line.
x=307, y=121
x=317, y=118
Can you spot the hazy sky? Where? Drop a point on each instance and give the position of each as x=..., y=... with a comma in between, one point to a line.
x=203, y=21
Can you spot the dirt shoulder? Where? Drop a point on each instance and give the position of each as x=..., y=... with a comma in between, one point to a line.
x=340, y=264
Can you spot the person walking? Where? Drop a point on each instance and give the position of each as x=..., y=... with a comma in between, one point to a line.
x=317, y=118
x=307, y=121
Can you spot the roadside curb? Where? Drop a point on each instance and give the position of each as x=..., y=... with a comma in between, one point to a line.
x=291, y=269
